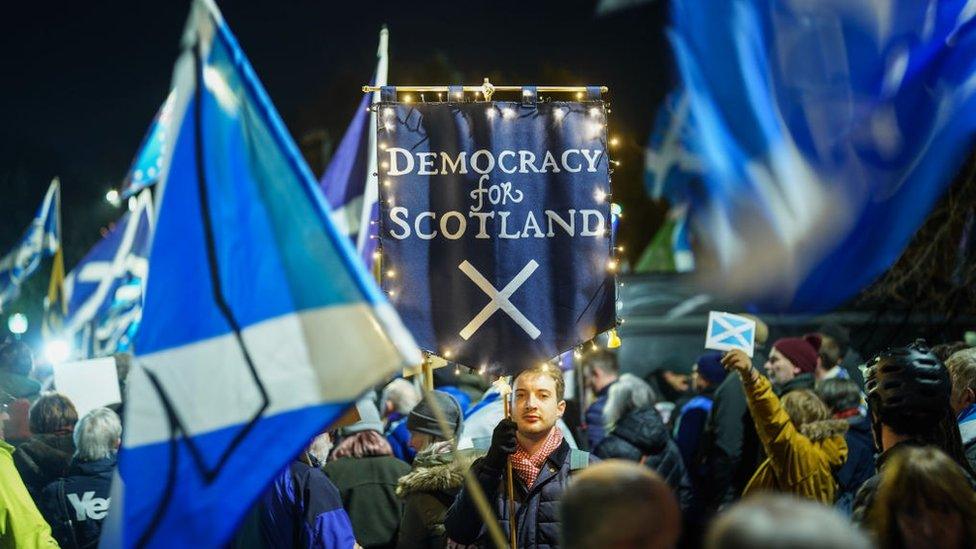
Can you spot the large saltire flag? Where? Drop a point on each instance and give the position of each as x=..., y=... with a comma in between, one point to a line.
x=104, y=291
x=828, y=131
x=260, y=327
x=148, y=166
x=42, y=238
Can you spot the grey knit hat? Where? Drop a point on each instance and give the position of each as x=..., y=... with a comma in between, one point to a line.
x=423, y=420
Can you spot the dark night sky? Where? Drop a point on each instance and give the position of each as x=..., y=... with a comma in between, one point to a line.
x=82, y=81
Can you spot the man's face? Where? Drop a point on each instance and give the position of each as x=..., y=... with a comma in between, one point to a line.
x=779, y=368
x=536, y=405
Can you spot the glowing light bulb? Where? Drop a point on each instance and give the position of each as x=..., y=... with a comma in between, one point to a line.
x=407, y=98
x=600, y=195
x=594, y=112
x=490, y=112
x=390, y=273
x=614, y=141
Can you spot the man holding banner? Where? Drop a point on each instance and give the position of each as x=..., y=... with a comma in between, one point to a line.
x=541, y=459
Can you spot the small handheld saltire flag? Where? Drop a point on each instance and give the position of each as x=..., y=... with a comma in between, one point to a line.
x=104, y=291
x=41, y=239
x=260, y=327
x=670, y=168
x=349, y=181
x=727, y=331
x=828, y=131
x=148, y=166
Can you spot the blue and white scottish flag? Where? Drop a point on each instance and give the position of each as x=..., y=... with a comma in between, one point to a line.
x=41, y=239
x=260, y=327
x=828, y=131
x=104, y=291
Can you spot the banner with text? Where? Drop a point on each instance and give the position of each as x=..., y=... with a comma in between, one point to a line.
x=495, y=227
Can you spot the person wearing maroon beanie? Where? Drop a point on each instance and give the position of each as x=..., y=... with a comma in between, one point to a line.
x=792, y=357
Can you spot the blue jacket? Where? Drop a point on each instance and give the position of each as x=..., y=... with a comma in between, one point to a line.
x=302, y=508
x=595, y=428
x=536, y=507
x=75, y=506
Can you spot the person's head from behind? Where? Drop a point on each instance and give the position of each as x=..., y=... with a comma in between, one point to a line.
x=791, y=357
x=779, y=521
x=962, y=373
x=707, y=372
x=97, y=435
x=52, y=413
x=600, y=369
x=16, y=358
x=835, y=340
x=538, y=400
x=804, y=408
x=923, y=500
x=363, y=438
x=840, y=395
x=628, y=394
x=423, y=423
x=619, y=505
x=6, y=399
x=908, y=392
x=399, y=397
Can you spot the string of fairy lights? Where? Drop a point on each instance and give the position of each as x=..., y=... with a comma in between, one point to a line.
x=598, y=126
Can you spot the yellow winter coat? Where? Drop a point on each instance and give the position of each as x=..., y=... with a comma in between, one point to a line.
x=799, y=462
x=21, y=524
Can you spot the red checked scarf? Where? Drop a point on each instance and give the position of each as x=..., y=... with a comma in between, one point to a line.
x=528, y=466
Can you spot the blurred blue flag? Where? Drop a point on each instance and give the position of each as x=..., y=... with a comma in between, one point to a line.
x=260, y=327
x=104, y=291
x=670, y=168
x=828, y=131
x=41, y=239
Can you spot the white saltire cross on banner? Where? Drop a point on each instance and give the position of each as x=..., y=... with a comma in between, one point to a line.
x=499, y=300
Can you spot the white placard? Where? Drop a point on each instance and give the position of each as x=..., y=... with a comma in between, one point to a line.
x=727, y=331
x=88, y=383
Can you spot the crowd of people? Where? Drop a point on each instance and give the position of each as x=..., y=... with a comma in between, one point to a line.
x=802, y=445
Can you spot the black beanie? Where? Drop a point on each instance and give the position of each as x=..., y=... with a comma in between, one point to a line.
x=423, y=420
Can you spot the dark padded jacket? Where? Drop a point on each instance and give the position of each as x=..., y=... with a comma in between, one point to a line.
x=76, y=506
x=641, y=435
x=42, y=459
x=859, y=466
x=536, y=507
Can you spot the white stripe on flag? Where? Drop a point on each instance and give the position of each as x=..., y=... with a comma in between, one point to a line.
x=209, y=384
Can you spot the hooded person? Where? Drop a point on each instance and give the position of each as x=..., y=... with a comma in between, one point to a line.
x=365, y=472
x=429, y=489
x=803, y=446
x=636, y=432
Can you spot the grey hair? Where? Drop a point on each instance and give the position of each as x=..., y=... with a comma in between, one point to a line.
x=97, y=435
x=403, y=394
x=627, y=394
x=778, y=521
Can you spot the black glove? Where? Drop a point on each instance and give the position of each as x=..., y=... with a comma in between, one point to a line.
x=503, y=444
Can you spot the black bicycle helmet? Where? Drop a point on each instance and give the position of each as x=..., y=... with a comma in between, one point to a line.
x=908, y=383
